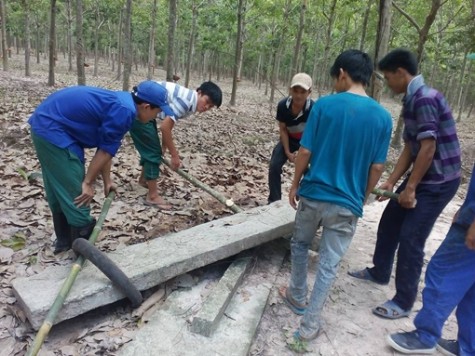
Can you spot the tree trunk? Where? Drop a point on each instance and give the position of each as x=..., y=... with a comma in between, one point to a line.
x=151, y=42
x=460, y=87
x=97, y=26
x=298, y=43
x=80, y=45
x=38, y=49
x=382, y=43
x=119, y=45
x=69, y=21
x=3, y=18
x=191, y=44
x=26, y=7
x=52, y=36
x=171, y=38
x=364, y=29
x=238, y=50
x=127, y=45
x=326, y=53
x=466, y=91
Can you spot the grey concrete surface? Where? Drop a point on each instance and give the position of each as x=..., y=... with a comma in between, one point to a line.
x=153, y=262
x=167, y=332
x=207, y=319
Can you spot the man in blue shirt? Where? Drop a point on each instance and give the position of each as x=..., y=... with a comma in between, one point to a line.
x=75, y=118
x=450, y=284
x=340, y=160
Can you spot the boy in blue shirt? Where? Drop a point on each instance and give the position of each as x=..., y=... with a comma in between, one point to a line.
x=75, y=118
x=340, y=160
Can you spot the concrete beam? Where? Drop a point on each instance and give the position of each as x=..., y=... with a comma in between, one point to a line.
x=207, y=319
x=153, y=262
x=167, y=332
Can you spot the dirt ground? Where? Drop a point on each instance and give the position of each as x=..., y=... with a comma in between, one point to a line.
x=229, y=150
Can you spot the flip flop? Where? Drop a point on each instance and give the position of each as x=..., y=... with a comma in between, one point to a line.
x=390, y=310
x=295, y=307
x=365, y=275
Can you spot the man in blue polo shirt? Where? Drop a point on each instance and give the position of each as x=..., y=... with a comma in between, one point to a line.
x=75, y=118
x=292, y=114
x=431, y=157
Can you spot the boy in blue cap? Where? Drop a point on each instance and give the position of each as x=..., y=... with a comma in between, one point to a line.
x=79, y=117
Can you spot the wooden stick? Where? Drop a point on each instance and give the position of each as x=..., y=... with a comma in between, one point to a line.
x=68, y=283
x=221, y=198
x=385, y=193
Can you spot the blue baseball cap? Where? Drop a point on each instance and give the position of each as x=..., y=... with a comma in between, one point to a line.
x=155, y=94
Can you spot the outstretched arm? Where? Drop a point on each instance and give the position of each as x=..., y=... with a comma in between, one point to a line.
x=375, y=172
x=166, y=128
x=301, y=165
x=99, y=161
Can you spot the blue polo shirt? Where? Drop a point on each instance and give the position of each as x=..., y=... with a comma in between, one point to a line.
x=84, y=117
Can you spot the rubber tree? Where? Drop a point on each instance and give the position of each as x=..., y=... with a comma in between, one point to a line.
x=151, y=43
x=52, y=43
x=4, y=43
x=172, y=18
x=80, y=57
x=127, y=45
x=238, y=50
x=381, y=47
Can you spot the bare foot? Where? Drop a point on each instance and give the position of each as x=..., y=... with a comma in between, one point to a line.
x=158, y=202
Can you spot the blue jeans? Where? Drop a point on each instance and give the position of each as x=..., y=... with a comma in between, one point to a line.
x=339, y=226
x=450, y=283
x=277, y=161
x=406, y=230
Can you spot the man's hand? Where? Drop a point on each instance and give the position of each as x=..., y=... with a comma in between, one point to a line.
x=86, y=196
x=110, y=187
x=291, y=156
x=385, y=186
x=407, y=198
x=470, y=237
x=175, y=162
x=293, y=197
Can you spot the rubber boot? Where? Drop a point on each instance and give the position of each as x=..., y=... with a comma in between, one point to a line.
x=63, y=233
x=82, y=232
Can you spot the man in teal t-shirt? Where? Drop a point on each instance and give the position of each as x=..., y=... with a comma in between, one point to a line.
x=341, y=158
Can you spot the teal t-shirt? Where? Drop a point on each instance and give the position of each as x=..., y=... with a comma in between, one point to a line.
x=346, y=133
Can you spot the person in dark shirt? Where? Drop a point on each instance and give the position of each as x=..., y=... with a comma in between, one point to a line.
x=292, y=114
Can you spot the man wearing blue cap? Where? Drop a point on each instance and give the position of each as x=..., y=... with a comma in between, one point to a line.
x=79, y=117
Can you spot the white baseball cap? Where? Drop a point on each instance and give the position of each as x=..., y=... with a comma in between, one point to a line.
x=301, y=80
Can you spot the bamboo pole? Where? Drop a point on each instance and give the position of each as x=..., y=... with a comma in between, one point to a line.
x=388, y=194
x=221, y=198
x=385, y=193
x=68, y=283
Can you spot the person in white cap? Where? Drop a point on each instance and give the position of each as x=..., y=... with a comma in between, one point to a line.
x=292, y=114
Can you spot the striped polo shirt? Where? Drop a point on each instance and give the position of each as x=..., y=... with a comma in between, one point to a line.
x=427, y=115
x=181, y=100
x=295, y=124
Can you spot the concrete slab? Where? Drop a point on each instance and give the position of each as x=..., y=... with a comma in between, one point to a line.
x=207, y=319
x=151, y=263
x=167, y=333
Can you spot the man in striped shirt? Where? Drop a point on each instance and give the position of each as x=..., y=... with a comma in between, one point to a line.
x=183, y=102
x=431, y=162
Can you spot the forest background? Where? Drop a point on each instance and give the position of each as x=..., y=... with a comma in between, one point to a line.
x=251, y=48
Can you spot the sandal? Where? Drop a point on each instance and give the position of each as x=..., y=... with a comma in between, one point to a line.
x=294, y=306
x=366, y=275
x=390, y=310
